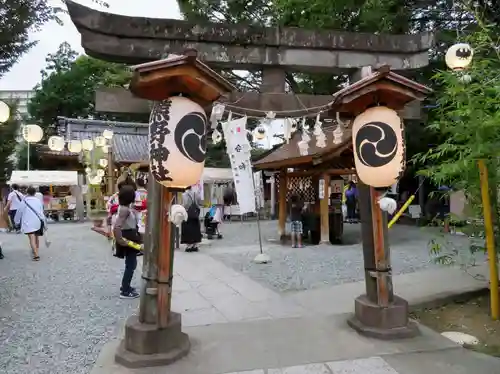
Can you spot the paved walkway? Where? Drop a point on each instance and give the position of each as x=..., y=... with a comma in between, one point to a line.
x=57, y=315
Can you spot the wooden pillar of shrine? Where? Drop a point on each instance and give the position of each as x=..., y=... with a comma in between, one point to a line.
x=283, y=185
x=323, y=192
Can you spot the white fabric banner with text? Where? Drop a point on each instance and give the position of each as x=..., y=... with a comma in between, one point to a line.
x=238, y=149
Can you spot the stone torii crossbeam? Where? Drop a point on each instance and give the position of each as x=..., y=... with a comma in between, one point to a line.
x=273, y=50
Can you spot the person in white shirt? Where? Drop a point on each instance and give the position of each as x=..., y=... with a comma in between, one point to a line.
x=30, y=218
x=14, y=201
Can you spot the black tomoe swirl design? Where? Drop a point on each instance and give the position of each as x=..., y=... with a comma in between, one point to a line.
x=190, y=136
x=376, y=144
x=463, y=53
x=158, y=130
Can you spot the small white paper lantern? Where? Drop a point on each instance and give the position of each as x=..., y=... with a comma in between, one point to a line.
x=177, y=142
x=87, y=144
x=95, y=180
x=260, y=132
x=103, y=162
x=459, y=56
x=56, y=143
x=216, y=136
x=4, y=112
x=100, y=173
x=32, y=133
x=107, y=134
x=378, y=145
x=100, y=141
x=74, y=146
x=88, y=170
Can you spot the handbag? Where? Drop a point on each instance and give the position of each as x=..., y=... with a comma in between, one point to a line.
x=42, y=228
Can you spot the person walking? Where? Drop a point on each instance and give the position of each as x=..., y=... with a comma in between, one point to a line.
x=125, y=229
x=351, y=196
x=191, y=230
x=31, y=220
x=296, y=208
x=14, y=200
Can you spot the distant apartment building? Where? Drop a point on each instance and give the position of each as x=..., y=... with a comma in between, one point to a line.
x=22, y=96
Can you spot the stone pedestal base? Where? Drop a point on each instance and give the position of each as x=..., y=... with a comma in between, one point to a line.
x=146, y=345
x=387, y=323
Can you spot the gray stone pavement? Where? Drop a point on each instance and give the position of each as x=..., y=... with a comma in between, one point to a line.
x=308, y=345
x=56, y=315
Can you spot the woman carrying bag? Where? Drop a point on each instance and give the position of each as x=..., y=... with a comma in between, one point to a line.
x=126, y=230
x=31, y=219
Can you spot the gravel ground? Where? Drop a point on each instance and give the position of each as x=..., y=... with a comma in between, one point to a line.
x=316, y=266
x=56, y=314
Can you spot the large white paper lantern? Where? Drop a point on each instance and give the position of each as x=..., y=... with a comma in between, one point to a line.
x=56, y=143
x=75, y=146
x=379, y=148
x=107, y=134
x=32, y=133
x=103, y=162
x=87, y=144
x=100, y=141
x=4, y=112
x=459, y=56
x=177, y=142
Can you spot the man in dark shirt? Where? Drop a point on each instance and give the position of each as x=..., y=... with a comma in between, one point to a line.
x=296, y=208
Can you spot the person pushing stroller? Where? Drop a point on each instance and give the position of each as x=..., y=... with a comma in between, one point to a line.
x=212, y=221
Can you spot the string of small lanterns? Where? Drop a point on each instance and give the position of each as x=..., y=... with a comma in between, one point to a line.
x=57, y=144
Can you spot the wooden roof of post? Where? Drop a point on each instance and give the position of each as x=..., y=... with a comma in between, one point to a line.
x=386, y=87
x=185, y=74
x=288, y=155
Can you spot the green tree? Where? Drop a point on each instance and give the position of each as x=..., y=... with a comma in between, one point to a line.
x=68, y=88
x=8, y=142
x=466, y=118
x=19, y=18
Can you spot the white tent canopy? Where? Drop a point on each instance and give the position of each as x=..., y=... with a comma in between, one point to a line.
x=217, y=175
x=44, y=178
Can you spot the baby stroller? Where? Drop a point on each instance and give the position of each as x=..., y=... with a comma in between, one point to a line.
x=212, y=222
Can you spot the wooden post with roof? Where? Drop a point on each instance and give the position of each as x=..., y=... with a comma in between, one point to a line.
x=380, y=85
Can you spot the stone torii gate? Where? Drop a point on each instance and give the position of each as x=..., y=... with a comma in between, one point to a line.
x=272, y=50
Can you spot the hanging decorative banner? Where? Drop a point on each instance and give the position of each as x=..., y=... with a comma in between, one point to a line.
x=238, y=149
x=177, y=137
x=379, y=148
